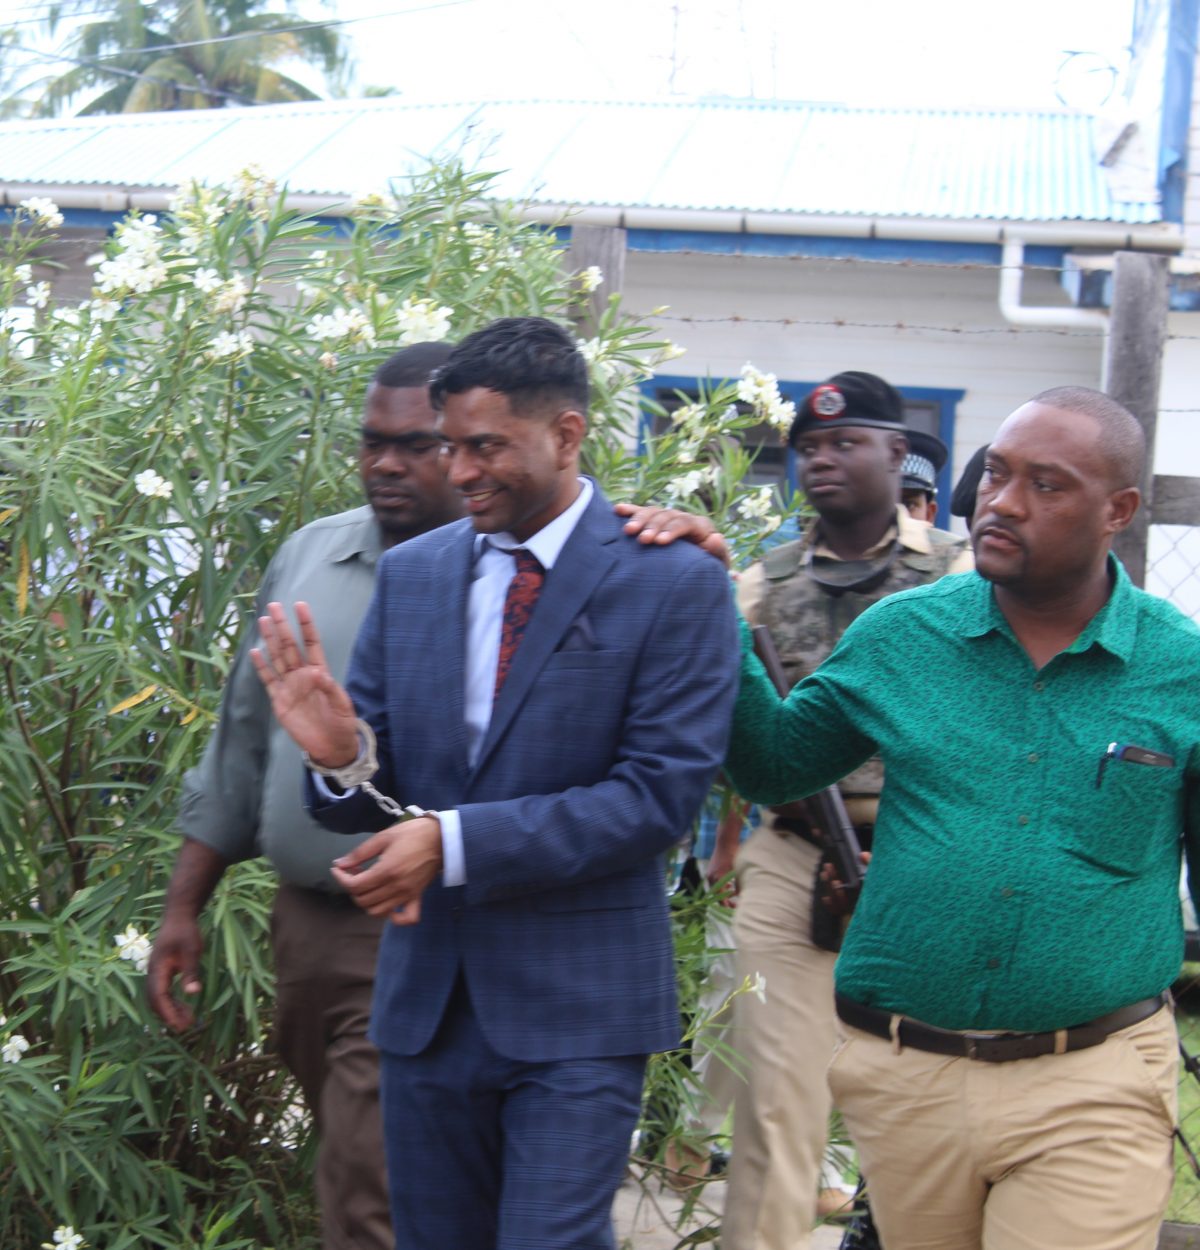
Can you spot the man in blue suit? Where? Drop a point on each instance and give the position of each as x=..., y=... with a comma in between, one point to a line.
x=556, y=698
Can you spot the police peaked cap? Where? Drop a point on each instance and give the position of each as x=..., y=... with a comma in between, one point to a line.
x=851, y=398
x=926, y=456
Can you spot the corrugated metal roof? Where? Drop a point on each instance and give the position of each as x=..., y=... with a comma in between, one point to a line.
x=706, y=155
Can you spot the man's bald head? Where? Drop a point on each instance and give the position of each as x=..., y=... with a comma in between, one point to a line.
x=1122, y=440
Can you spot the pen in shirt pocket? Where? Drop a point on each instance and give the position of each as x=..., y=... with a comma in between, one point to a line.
x=1132, y=755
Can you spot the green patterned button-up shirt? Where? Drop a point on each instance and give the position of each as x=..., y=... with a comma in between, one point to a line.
x=1015, y=883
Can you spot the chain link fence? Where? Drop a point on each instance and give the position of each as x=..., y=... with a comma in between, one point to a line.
x=1173, y=572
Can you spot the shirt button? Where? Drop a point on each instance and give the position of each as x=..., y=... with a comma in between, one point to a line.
x=1007, y=892
x=993, y=963
x=1034, y=757
x=1039, y=686
x=1022, y=819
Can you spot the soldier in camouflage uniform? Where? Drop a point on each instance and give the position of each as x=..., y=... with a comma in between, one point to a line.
x=862, y=545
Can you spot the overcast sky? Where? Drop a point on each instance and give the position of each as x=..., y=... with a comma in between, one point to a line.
x=925, y=52
x=951, y=53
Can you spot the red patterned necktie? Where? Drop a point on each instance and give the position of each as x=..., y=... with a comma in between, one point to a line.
x=519, y=603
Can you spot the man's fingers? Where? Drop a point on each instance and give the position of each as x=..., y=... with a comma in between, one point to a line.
x=310, y=635
x=281, y=642
x=175, y=1015
x=376, y=844
x=716, y=545
x=410, y=913
x=379, y=897
x=263, y=668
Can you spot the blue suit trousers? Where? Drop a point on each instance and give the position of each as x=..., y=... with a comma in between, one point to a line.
x=491, y=1153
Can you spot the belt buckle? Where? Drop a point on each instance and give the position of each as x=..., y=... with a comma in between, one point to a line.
x=1002, y=1047
x=973, y=1042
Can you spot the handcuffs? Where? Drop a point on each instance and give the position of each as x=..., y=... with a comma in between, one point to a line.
x=360, y=770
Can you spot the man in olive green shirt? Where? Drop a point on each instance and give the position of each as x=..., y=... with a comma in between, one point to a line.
x=245, y=799
x=1008, y=1067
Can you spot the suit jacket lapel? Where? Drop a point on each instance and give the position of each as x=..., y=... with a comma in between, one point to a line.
x=584, y=560
x=450, y=621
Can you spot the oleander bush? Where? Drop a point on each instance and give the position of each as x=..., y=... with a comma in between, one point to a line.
x=157, y=442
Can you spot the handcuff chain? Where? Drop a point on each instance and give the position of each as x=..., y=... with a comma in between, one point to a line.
x=361, y=770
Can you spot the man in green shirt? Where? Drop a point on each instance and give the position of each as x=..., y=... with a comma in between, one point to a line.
x=1008, y=1066
x=245, y=799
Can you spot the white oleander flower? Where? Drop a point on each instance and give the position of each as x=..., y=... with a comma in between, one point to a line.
x=13, y=1048
x=761, y=392
x=418, y=321
x=759, y=506
x=252, y=185
x=669, y=351
x=232, y=295
x=689, y=483
x=103, y=309
x=592, y=350
x=686, y=416
x=342, y=324
x=590, y=279
x=758, y=987
x=206, y=280
x=133, y=946
x=137, y=263
x=190, y=239
x=328, y=360
x=150, y=484
x=38, y=295
x=43, y=210
x=65, y=1238
x=23, y=274
x=227, y=344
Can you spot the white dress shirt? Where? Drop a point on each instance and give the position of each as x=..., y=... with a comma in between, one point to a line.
x=493, y=571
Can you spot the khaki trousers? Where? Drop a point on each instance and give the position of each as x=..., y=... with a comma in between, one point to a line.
x=781, y=1110
x=1062, y=1152
x=325, y=953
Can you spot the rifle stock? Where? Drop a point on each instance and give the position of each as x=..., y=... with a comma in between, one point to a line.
x=828, y=805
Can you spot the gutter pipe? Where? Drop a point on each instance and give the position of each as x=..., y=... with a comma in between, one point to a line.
x=1018, y=314
x=1114, y=236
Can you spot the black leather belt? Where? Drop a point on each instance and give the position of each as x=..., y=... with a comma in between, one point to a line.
x=995, y=1047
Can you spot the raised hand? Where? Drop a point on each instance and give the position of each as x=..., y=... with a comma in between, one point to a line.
x=314, y=709
x=662, y=526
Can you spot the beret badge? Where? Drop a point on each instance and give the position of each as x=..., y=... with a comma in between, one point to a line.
x=827, y=402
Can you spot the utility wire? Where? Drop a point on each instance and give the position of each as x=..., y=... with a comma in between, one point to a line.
x=258, y=34
x=211, y=92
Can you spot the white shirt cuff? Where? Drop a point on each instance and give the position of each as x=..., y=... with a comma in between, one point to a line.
x=324, y=792
x=454, y=860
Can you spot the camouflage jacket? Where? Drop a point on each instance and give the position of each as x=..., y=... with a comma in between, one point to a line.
x=806, y=619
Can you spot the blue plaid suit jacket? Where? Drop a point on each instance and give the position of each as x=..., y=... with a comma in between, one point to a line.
x=602, y=745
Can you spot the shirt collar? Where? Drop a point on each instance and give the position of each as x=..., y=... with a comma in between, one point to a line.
x=1114, y=627
x=362, y=537
x=912, y=535
x=547, y=544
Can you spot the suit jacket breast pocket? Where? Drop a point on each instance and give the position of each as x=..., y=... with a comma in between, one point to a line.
x=607, y=665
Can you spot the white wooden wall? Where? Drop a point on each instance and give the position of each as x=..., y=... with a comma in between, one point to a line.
x=881, y=308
